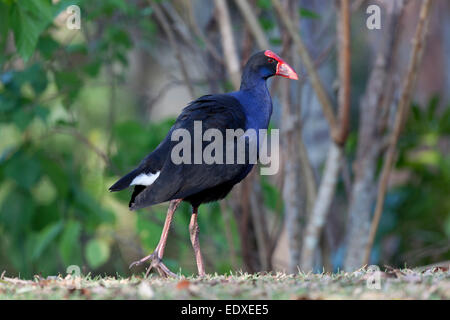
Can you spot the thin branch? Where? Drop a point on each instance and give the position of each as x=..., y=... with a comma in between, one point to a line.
x=77, y=135
x=356, y=5
x=321, y=207
x=173, y=43
x=316, y=83
x=199, y=33
x=327, y=187
x=153, y=99
x=308, y=175
x=344, y=72
x=363, y=191
x=258, y=214
x=252, y=21
x=228, y=45
x=402, y=110
x=178, y=26
x=294, y=191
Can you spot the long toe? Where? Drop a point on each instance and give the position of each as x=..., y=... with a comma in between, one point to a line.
x=155, y=262
x=161, y=268
x=166, y=271
x=139, y=262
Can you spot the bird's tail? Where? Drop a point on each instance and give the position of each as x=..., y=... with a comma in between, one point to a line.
x=125, y=181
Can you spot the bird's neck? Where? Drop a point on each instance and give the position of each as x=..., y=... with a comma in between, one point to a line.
x=252, y=80
x=255, y=98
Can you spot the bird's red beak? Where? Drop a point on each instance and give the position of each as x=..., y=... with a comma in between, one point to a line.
x=283, y=69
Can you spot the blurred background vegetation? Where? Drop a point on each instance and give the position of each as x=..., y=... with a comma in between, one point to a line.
x=79, y=108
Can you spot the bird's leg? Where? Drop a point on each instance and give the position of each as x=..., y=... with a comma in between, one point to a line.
x=156, y=256
x=193, y=231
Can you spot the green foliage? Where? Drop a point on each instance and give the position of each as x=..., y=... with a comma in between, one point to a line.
x=305, y=13
x=28, y=20
x=97, y=252
x=55, y=210
x=264, y=4
x=272, y=196
x=135, y=137
x=419, y=211
x=48, y=214
x=70, y=253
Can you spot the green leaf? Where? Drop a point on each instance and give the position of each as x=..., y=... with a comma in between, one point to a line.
x=432, y=106
x=41, y=112
x=56, y=174
x=6, y=104
x=40, y=8
x=267, y=24
x=25, y=31
x=276, y=41
x=68, y=245
x=16, y=213
x=444, y=121
x=272, y=197
x=70, y=83
x=97, y=253
x=24, y=169
x=89, y=208
x=305, y=13
x=45, y=237
x=44, y=193
x=47, y=46
x=264, y=4
x=447, y=226
x=149, y=232
x=4, y=24
x=93, y=68
x=147, y=11
x=22, y=118
x=28, y=20
x=427, y=157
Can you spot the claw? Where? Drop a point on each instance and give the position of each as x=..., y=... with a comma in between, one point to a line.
x=156, y=263
x=139, y=262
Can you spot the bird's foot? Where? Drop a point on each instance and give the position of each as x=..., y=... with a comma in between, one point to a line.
x=155, y=262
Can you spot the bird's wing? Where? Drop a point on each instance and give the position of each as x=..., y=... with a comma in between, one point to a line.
x=176, y=181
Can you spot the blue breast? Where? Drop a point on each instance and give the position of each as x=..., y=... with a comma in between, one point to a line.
x=257, y=105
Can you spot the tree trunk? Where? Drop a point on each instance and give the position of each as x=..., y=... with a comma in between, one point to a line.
x=370, y=142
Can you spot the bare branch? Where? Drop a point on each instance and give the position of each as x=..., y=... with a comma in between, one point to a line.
x=402, y=110
x=81, y=138
x=343, y=29
x=316, y=83
x=252, y=21
x=258, y=214
x=308, y=175
x=321, y=207
x=363, y=191
x=199, y=33
x=173, y=43
x=327, y=187
x=229, y=47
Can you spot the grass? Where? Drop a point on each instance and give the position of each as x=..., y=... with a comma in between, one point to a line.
x=394, y=284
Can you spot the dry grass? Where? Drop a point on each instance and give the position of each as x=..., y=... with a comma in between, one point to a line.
x=432, y=283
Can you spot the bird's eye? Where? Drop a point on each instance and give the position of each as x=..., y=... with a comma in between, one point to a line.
x=270, y=60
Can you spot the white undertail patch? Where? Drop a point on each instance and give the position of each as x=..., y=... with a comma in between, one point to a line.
x=145, y=179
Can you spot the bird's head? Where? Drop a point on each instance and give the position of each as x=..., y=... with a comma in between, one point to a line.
x=267, y=64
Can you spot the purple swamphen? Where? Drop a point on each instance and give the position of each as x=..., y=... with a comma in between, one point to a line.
x=158, y=179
